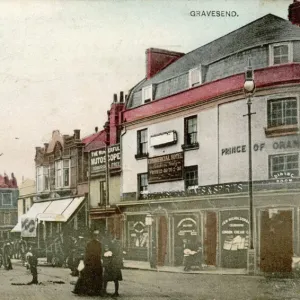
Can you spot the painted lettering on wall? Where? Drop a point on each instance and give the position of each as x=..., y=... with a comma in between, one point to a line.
x=290, y=144
x=234, y=149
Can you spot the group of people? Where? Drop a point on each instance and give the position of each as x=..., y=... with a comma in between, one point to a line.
x=102, y=264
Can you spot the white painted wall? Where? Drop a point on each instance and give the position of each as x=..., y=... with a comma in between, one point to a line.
x=214, y=168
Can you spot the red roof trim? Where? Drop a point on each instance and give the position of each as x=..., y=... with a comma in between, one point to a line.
x=270, y=76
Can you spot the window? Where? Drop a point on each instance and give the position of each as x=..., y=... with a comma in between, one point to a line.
x=66, y=172
x=282, y=112
x=6, y=199
x=142, y=143
x=62, y=173
x=102, y=192
x=46, y=178
x=142, y=185
x=284, y=165
x=39, y=180
x=195, y=77
x=58, y=174
x=6, y=219
x=190, y=132
x=190, y=177
x=147, y=94
x=280, y=54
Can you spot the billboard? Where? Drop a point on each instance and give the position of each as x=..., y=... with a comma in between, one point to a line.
x=98, y=159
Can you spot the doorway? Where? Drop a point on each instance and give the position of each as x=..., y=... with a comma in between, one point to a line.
x=210, y=239
x=276, y=241
x=162, y=239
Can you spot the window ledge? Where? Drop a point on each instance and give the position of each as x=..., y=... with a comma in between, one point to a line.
x=141, y=156
x=186, y=147
x=281, y=130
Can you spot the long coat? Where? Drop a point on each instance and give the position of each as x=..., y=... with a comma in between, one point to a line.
x=113, y=264
x=90, y=279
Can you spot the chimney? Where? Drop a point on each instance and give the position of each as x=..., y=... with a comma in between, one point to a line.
x=158, y=59
x=121, y=97
x=77, y=134
x=46, y=146
x=37, y=149
x=96, y=129
x=115, y=98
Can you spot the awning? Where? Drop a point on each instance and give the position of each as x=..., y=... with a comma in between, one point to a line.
x=17, y=228
x=60, y=210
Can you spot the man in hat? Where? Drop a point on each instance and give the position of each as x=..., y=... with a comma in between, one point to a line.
x=90, y=279
x=33, y=262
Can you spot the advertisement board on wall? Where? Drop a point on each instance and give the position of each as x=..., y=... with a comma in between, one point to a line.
x=28, y=227
x=98, y=159
x=167, y=167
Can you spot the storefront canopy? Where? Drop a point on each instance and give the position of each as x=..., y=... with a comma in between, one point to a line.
x=53, y=211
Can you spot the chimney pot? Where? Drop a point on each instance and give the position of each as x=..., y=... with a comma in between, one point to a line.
x=46, y=146
x=121, y=97
x=77, y=134
x=115, y=98
x=96, y=129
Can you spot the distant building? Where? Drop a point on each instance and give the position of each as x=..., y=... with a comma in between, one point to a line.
x=27, y=196
x=9, y=193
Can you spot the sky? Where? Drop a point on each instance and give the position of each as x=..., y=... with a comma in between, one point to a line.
x=62, y=61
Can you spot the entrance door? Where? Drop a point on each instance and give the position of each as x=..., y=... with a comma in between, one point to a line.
x=162, y=240
x=210, y=239
x=276, y=241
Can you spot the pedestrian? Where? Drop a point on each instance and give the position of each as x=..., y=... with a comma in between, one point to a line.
x=7, y=251
x=113, y=263
x=90, y=278
x=33, y=261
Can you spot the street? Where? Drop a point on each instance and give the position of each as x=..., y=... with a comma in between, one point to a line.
x=55, y=283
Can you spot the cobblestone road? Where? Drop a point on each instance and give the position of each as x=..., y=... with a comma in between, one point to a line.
x=150, y=285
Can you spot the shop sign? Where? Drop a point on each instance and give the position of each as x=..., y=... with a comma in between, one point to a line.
x=235, y=233
x=98, y=159
x=187, y=226
x=282, y=177
x=167, y=167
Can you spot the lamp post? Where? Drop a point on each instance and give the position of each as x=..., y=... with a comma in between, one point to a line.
x=249, y=89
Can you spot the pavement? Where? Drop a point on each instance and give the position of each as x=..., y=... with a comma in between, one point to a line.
x=56, y=283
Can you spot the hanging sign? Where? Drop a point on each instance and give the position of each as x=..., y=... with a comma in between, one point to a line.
x=28, y=227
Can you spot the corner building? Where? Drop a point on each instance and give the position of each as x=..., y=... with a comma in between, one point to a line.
x=185, y=151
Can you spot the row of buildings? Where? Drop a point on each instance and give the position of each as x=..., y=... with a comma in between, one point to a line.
x=170, y=166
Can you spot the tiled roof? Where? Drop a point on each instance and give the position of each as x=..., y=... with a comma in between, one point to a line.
x=267, y=29
x=94, y=141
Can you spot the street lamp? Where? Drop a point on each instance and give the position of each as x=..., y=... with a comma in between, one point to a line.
x=249, y=89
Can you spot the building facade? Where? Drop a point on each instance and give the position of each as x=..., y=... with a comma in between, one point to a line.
x=61, y=185
x=185, y=152
x=27, y=196
x=105, y=172
x=9, y=193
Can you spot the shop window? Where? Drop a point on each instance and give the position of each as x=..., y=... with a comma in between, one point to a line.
x=138, y=234
x=190, y=133
x=191, y=177
x=142, y=185
x=284, y=166
x=195, y=77
x=142, y=143
x=282, y=116
x=281, y=54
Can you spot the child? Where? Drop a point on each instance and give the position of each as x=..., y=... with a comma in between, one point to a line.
x=33, y=261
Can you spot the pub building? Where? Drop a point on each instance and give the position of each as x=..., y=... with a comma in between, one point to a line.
x=60, y=205
x=185, y=151
x=103, y=149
